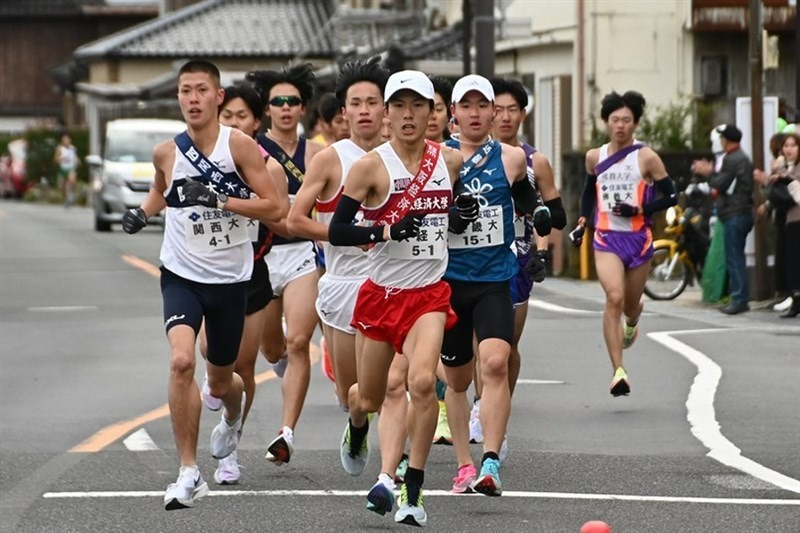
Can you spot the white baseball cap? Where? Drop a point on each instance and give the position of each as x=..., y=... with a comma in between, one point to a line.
x=412, y=80
x=472, y=82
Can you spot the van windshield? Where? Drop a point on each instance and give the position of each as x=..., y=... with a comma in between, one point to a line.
x=133, y=146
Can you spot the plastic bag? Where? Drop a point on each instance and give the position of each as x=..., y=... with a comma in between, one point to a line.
x=715, y=274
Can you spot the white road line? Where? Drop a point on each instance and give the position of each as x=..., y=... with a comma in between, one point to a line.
x=560, y=309
x=139, y=441
x=444, y=493
x=59, y=308
x=702, y=417
x=539, y=382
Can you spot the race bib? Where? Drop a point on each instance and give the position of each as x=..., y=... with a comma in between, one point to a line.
x=431, y=243
x=614, y=193
x=215, y=230
x=484, y=232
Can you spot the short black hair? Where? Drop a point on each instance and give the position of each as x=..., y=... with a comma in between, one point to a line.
x=328, y=107
x=352, y=72
x=443, y=86
x=248, y=94
x=301, y=76
x=631, y=99
x=200, y=65
x=512, y=87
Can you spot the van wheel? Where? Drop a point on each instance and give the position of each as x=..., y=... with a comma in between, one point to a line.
x=101, y=225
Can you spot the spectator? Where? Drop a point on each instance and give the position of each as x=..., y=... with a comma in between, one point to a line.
x=734, y=185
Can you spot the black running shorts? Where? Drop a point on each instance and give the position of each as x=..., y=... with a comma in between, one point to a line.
x=484, y=308
x=187, y=302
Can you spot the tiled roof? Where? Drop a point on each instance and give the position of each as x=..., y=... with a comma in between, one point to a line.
x=226, y=28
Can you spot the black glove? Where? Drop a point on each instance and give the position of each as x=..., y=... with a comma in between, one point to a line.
x=195, y=193
x=133, y=220
x=576, y=235
x=537, y=265
x=625, y=210
x=542, y=221
x=467, y=207
x=405, y=229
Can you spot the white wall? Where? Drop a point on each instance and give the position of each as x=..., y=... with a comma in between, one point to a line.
x=637, y=45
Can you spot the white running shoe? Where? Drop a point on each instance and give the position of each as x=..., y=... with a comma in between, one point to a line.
x=212, y=402
x=503, y=453
x=281, y=448
x=475, y=427
x=783, y=306
x=354, y=461
x=227, y=472
x=225, y=436
x=189, y=488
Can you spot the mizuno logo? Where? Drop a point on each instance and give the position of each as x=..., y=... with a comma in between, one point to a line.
x=438, y=182
x=364, y=326
x=489, y=171
x=324, y=312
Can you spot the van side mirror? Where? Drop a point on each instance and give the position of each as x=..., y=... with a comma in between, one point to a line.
x=94, y=160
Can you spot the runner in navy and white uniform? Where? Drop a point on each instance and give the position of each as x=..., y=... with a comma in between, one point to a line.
x=292, y=261
x=205, y=178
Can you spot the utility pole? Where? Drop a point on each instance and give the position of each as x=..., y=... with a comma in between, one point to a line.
x=484, y=38
x=761, y=291
x=466, y=43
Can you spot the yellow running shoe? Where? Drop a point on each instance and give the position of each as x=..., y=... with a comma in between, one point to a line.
x=620, y=385
x=442, y=434
x=629, y=334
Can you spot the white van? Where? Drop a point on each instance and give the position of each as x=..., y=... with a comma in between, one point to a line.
x=124, y=175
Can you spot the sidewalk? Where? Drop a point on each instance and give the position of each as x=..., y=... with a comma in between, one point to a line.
x=688, y=305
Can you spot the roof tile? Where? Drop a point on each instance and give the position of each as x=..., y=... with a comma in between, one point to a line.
x=226, y=28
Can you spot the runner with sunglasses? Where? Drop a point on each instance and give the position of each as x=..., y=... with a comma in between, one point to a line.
x=292, y=261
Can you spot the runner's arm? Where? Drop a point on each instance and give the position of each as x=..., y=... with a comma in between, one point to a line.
x=300, y=223
x=267, y=207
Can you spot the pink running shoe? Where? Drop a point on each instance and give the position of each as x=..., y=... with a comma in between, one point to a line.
x=462, y=483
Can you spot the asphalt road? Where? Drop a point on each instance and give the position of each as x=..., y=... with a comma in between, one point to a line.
x=707, y=442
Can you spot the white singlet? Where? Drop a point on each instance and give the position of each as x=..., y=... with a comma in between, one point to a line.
x=420, y=261
x=206, y=244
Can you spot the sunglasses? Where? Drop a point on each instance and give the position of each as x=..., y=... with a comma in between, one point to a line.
x=280, y=101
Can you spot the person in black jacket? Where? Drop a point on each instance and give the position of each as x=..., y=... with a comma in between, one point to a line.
x=734, y=188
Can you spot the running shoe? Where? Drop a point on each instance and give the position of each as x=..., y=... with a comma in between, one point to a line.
x=189, y=488
x=783, y=305
x=327, y=364
x=212, y=402
x=411, y=513
x=620, y=385
x=225, y=436
x=475, y=427
x=442, y=434
x=280, y=367
x=354, y=461
x=488, y=482
x=227, y=472
x=464, y=479
x=503, y=453
x=380, y=498
x=400, y=472
x=629, y=335
x=281, y=448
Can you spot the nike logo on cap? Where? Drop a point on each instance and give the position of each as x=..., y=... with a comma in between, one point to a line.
x=403, y=81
